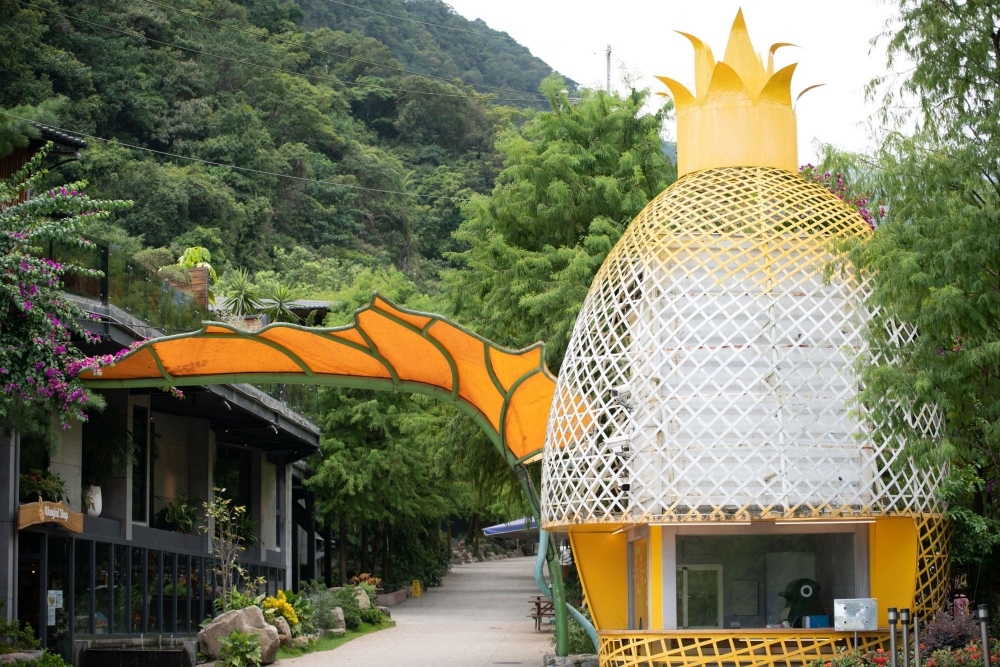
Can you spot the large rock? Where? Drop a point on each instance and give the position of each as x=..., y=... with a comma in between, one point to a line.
x=338, y=619
x=363, y=600
x=335, y=632
x=20, y=656
x=281, y=625
x=249, y=620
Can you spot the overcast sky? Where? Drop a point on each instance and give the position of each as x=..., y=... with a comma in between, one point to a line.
x=571, y=36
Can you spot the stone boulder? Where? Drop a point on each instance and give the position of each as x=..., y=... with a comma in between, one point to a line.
x=384, y=610
x=338, y=619
x=249, y=620
x=20, y=656
x=281, y=625
x=335, y=632
x=364, y=602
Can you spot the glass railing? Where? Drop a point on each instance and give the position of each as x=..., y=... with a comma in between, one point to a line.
x=302, y=398
x=129, y=286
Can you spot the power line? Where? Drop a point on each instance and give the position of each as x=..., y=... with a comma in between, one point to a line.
x=436, y=25
x=337, y=55
x=232, y=166
x=252, y=64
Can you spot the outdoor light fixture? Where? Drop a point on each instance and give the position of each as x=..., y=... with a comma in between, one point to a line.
x=274, y=428
x=226, y=403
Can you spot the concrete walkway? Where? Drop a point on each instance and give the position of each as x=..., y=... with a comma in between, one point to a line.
x=478, y=618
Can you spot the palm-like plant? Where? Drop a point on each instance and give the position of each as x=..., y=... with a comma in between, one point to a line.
x=279, y=303
x=242, y=297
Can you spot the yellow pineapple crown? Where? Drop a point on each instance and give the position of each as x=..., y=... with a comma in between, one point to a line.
x=741, y=115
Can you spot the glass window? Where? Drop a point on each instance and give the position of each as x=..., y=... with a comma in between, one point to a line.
x=122, y=568
x=140, y=471
x=58, y=596
x=169, y=601
x=232, y=473
x=140, y=597
x=153, y=591
x=183, y=588
x=757, y=581
x=102, y=588
x=81, y=588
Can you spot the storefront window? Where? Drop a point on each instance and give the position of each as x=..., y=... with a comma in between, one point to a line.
x=58, y=596
x=102, y=589
x=140, y=597
x=154, y=602
x=756, y=581
x=82, y=586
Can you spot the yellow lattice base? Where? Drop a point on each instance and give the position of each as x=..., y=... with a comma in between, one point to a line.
x=934, y=533
x=737, y=648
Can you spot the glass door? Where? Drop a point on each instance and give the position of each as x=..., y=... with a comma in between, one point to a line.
x=699, y=596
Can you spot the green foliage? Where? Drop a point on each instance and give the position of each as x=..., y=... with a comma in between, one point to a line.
x=278, y=305
x=37, y=363
x=371, y=615
x=573, y=180
x=46, y=660
x=16, y=133
x=236, y=589
x=180, y=516
x=14, y=637
x=305, y=612
x=241, y=296
x=240, y=649
x=347, y=600
x=579, y=640
x=323, y=601
x=932, y=265
x=43, y=484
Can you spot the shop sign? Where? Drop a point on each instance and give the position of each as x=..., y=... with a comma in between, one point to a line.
x=45, y=511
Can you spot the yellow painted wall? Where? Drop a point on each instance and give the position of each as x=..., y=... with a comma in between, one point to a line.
x=655, y=577
x=893, y=562
x=601, y=561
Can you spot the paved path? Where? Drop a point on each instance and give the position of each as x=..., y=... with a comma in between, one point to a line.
x=478, y=618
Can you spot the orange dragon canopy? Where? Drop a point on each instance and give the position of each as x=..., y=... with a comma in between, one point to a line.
x=507, y=392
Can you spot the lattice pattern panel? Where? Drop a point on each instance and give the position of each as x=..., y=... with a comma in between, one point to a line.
x=935, y=534
x=739, y=648
x=734, y=358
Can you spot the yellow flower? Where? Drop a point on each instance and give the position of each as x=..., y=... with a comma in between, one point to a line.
x=281, y=607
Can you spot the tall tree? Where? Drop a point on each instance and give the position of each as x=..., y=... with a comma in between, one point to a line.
x=573, y=179
x=935, y=264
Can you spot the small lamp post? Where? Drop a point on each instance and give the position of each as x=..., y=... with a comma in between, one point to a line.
x=893, y=619
x=983, y=614
x=904, y=619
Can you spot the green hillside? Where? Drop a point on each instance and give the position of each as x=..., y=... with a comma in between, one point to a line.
x=429, y=37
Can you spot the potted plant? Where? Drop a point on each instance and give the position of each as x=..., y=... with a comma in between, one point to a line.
x=43, y=484
x=179, y=516
x=107, y=453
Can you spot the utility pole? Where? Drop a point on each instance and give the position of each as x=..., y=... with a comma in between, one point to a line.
x=608, y=54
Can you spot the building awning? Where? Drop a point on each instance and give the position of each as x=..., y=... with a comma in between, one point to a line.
x=520, y=529
x=391, y=348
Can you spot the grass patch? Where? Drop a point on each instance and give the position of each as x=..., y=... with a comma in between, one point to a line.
x=329, y=643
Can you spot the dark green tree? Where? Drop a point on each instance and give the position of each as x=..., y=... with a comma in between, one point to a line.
x=573, y=179
x=934, y=266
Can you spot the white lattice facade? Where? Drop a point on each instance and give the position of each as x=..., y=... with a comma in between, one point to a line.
x=739, y=358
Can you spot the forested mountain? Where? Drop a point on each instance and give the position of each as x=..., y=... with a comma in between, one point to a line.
x=345, y=154
x=428, y=36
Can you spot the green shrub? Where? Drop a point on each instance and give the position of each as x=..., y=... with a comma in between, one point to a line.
x=347, y=600
x=47, y=660
x=240, y=649
x=304, y=610
x=13, y=637
x=373, y=616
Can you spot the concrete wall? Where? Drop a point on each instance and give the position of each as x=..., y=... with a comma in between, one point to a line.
x=67, y=461
x=286, y=512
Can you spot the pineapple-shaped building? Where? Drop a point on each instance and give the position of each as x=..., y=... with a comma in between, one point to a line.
x=718, y=483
